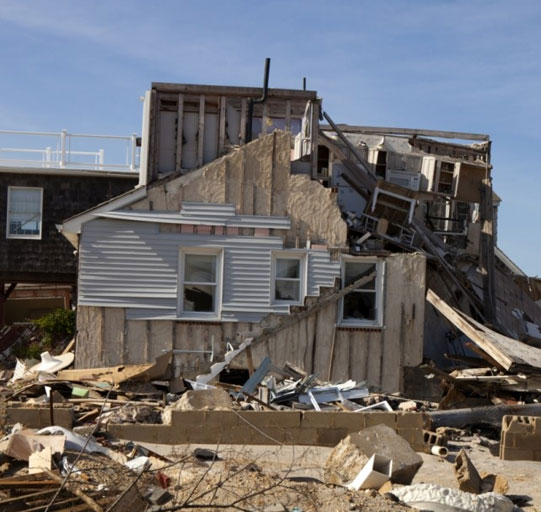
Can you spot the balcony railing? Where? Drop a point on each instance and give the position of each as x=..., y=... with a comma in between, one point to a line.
x=65, y=150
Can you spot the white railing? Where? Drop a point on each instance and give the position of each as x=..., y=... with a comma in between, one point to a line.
x=68, y=151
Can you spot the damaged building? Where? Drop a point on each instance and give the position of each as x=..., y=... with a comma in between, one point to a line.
x=257, y=217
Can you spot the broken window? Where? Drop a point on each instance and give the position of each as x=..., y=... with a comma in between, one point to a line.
x=364, y=305
x=24, y=212
x=381, y=164
x=288, y=279
x=199, y=284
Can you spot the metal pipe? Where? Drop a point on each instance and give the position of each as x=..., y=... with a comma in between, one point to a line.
x=252, y=102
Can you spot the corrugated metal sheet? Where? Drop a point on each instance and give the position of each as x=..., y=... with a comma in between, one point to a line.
x=132, y=265
x=207, y=214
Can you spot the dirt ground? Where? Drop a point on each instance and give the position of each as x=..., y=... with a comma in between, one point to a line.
x=289, y=469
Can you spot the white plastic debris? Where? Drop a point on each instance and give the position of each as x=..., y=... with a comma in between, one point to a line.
x=75, y=442
x=436, y=498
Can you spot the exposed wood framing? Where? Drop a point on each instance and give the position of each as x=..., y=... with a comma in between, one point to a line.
x=314, y=132
x=221, y=131
x=242, y=134
x=201, y=131
x=264, y=118
x=288, y=115
x=408, y=131
x=180, y=117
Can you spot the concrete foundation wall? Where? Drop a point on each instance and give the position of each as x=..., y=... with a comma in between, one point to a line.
x=521, y=438
x=270, y=427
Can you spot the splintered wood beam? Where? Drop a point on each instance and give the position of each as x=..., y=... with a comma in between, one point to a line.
x=180, y=116
x=201, y=131
x=221, y=134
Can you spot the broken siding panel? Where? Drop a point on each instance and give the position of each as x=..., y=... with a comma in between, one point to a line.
x=321, y=271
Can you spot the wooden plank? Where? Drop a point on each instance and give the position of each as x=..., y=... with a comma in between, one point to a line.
x=221, y=131
x=242, y=134
x=511, y=354
x=74, y=490
x=180, y=118
x=314, y=132
x=201, y=131
x=264, y=117
x=288, y=115
x=408, y=131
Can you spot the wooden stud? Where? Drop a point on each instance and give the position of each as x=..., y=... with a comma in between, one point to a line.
x=201, y=132
x=221, y=134
x=242, y=134
x=288, y=115
x=264, y=117
x=180, y=118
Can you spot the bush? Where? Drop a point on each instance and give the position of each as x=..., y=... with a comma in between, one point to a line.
x=56, y=326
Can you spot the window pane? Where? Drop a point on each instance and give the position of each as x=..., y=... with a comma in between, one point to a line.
x=360, y=306
x=200, y=268
x=24, y=211
x=287, y=290
x=288, y=268
x=199, y=298
x=354, y=271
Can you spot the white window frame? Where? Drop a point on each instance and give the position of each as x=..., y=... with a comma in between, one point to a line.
x=17, y=235
x=289, y=255
x=201, y=315
x=380, y=278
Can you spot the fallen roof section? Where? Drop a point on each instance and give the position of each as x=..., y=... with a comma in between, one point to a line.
x=511, y=354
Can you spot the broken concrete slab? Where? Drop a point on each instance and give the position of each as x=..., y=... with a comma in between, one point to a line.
x=352, y=453
x=468, y=478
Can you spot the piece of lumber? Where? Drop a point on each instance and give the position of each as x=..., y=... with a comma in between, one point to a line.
x=509, y=353
x=221, y=129
x=80, y=494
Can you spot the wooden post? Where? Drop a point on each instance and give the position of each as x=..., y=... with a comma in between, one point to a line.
x=180, y=116
x=201, y=132
x=4, y=294
x=486, y=252
x=221, y=129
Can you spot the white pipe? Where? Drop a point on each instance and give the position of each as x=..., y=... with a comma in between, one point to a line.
x=440, y=451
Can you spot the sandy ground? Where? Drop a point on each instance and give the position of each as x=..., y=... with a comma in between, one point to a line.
x=308, y=461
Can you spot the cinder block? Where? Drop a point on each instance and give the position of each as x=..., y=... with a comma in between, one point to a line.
x=414, y=437
x=514, y=454
x=301, y=436
x=410, y=420
x=352, y=421
x=192, y=418
x=280, y=419
x=223, y=418
x=330, y=436
x=38, y=416
x=377, y=418
x=316, y=419
x=520, y=424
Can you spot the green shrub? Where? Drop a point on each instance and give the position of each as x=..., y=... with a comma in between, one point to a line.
x=56, y=326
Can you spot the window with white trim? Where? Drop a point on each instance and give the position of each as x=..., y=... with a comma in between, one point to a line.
x=288, y=278
x=24, y=212
x=200, y=283
x=364, y=305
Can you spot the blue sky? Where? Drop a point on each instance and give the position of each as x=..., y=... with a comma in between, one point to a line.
x=453, y=65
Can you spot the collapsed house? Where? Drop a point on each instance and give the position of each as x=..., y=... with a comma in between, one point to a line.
x=316, y=241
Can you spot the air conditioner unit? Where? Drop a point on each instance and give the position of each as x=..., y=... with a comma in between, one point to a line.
x=411, y=180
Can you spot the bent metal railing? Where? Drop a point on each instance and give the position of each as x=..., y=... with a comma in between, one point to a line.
x=63, y=150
